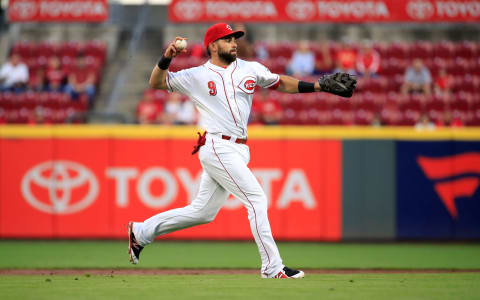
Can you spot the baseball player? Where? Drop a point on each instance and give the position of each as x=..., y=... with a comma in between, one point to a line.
x=222, y=91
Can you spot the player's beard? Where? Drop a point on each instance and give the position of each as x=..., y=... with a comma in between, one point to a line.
x=227, y=56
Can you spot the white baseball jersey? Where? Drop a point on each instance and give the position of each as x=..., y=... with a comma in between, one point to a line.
x=223, y=96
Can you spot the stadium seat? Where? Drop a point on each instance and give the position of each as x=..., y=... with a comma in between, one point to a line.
x=398, y=50
x=444, y=49
x=466, y=50
x=422, y=50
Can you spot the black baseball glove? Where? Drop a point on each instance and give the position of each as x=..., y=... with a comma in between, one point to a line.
x=341, y=84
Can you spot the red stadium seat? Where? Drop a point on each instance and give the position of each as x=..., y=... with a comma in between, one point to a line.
x=466, y=50
x=444, y=50
x=459, y=66
x=47, y=49
x=398, y=50
x=422, y=50
x=97, y=49
x=71, y=49
x=24, y=49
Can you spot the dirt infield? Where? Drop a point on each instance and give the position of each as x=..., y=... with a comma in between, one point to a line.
x=108, y=272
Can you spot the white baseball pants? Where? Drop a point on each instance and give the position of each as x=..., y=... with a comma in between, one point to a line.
x=225, y=172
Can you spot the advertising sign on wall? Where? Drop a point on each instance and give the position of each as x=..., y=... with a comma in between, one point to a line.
x=57, y=10
x=325, y=11
x=438, y=190
x=79, y=187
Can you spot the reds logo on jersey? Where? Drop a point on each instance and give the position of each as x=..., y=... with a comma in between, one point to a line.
x=248, y=84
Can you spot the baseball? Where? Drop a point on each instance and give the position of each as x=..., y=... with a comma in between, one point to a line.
x=180, y=44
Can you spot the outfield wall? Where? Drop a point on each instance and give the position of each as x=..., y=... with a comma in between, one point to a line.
x=324, y=184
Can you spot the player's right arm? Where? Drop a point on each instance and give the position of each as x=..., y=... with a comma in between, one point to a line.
x=158, y=78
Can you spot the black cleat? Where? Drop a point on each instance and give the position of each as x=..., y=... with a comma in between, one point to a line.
x=134, y=248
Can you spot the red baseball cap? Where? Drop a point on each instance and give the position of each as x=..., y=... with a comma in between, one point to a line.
x=219, y=31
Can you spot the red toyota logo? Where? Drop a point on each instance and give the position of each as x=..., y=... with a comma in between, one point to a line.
x=22, y=10
x=420, y=9
x=300, y=9
x=188, y=9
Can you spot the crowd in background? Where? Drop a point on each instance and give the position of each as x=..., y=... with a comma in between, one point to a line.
x=49, y=71
x=415, y=96
x=363, y=60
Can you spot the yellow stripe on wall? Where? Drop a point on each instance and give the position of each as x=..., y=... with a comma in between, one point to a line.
x=259, y=132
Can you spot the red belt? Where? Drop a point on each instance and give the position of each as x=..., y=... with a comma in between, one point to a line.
x=238, y=141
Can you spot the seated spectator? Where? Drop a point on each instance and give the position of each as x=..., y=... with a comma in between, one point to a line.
x=149, y=111
x=443, y=82
x=55, y=75
x=81, y=80
x=244, y=45
x=346, y=58
x=37, y=116
x=37, y=81
x=376, y=120
x=302, y=62
x=261, y=52
x=368, y=61
x=448, y=121
x=417, y=79
x=179, y=112
x=14, y=75
x=424, y=123
x=323, y=62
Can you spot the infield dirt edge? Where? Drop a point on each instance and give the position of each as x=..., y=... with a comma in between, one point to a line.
x=106, y=272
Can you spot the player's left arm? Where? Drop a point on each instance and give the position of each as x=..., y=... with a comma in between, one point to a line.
x=289, y=84
x=340, y=84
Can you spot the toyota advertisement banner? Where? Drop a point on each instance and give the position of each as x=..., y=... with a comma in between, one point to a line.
x=355, y=11
x=91, y=187
x=57, y=10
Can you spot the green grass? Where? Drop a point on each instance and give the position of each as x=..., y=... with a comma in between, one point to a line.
x=113, y=254
x=358, y=286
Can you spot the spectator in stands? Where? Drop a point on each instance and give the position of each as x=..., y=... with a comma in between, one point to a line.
x=36, y=82
x=14, y=75
x=448, y=121
x=346, y=58
x=424, y=123
x=55, y=75
x=81, y=80
x=244, y=45
x=37, y=116
x=443, y=83
x=377, y=120
x=261, y=52
x=179, y=112
x=303, y=61
x=417, y=79
x=368, y=61
x=149, y=111
x=323, y=62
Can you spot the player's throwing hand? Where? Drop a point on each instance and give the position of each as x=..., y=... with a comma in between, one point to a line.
x=172, y=50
